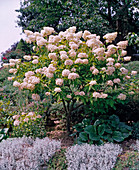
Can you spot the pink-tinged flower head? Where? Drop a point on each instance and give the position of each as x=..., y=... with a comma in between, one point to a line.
x=31, y=86
x=92, y=68
x=71, y=29
x=29, y=73
x=35, y=97
x=103, y=95
x=68, y=96
x=122, y=44
x=73, y=45
x=109, y=83
x=63, y=52
x=23, y=85
x=26, y=119
x=47, y=93
x=28, y=32
x=121, y=96
x=35, y=61
x=85, y=34
x=131, y=92
x=51, y=68
x=103, y=69
x=95, y=71
x=72, y=53
x=127, y=58
x=57, y=89
x=27, y=57
x=127, y=77
x=123, y=70
x=51, y=47
x=112, y=49
x=64, y=56
x=78, y=61
x=96, y=95
x=38, y=70
x=12, y=64
x=93, y=82
x=73, y=76
x=38, y=116
x=117, y=80
x=52, y=56
x=133, y=73
x=85, y=61
x=6, y=65
x=13, y=70
x=110, y=60
x=34, y=80
x=49, y=75
x=10, y=78
x=123, y=53
x=110, y=70
x=68, y=62
x=16, y=116
x=82, y=55
x=23, y=113
x=110, y=37
x=31, y=114
x=16, y=123
x=79, y=34
x=48, y=30
x=16, y=84
x=99, y=51
x=65, y=73
x=117, y=65
x=59, y=82
x=81, y=93
x=73, y=69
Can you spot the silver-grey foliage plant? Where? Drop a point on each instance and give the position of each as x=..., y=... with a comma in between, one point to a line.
x=91, y=157
x=26, y=154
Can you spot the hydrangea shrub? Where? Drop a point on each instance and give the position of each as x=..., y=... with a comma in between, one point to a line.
x=74, y=67
x=88, y=157
x=25, y=153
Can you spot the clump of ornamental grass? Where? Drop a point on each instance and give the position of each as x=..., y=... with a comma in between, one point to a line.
x=75, y=67
x=25, y=153
x=81, y=157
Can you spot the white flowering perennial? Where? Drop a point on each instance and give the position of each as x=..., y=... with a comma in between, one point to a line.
x=91, y=157
x=25, y=153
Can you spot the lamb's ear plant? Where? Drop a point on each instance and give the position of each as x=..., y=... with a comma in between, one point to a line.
x=90, y=157
x=104, y=129
x=74, y=67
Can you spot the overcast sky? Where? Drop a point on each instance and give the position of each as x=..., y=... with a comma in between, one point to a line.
x=9, y=34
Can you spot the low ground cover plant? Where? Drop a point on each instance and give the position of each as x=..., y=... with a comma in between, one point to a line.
x=92, y=157
x=26, y=153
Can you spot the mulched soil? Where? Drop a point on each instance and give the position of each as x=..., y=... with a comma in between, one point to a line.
x=66, y=141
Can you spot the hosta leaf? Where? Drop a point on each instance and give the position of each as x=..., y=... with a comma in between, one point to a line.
x=97, y=122
x=89, y=129
x=108, y=129
x=94, y=137
x=114, y=118
x=101, y=129
x=117, y=136
x=125, y=135
x=83, y=136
